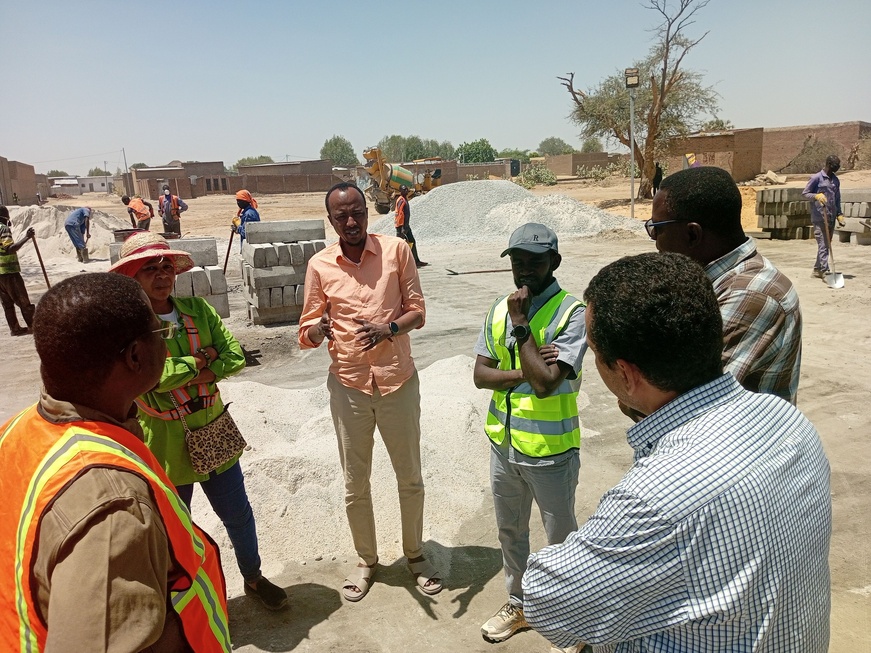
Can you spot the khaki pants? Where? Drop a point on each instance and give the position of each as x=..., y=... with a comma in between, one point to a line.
x=397, y=415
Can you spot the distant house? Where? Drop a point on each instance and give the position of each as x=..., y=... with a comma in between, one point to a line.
x=64, y=185
x=96, y=184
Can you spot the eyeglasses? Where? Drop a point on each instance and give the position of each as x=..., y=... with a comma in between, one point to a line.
x=167, y=332
x=650, y=226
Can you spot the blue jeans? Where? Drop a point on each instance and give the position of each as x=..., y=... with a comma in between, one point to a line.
x=226, y=493
x=76, y=235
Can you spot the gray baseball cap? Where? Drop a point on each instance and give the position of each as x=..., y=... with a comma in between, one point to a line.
x=533, y=237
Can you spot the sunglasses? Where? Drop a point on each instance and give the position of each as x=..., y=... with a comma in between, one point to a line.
x=167, y=332
x=650, y=226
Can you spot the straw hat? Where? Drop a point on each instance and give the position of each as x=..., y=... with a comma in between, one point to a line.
x=145, y=245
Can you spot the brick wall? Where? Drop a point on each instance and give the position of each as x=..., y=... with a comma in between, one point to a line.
x=22, y=182
x=739, y=152
x=782, y=144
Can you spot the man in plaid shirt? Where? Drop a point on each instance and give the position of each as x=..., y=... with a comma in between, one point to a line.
x=697, y=212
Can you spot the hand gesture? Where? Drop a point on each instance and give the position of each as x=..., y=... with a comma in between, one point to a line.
x=518, y=305
x=369, y=335
x=549, y=353
x=326, y=324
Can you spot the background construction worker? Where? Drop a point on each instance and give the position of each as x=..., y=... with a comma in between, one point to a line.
x=402, y=222
x=824, y=192
x=140, y=212
x=247, y=213
x=529, y=353
x=170, y=208
x=78, y=226
x=12, y=289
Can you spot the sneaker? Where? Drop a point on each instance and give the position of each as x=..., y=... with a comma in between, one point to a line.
x=272, y=596
x=504, y=623
x=577, y=648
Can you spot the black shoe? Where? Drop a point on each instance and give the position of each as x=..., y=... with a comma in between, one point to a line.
x=272, y=596
x=422, y=264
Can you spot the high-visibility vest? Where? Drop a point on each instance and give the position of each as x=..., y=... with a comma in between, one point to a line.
x=400, y=212
x=536, y=427
x=8, y=262
x=173, y=207
x=139, y=208
x=46, y=457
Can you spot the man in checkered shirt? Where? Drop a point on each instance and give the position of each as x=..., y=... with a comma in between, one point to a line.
x=697, y=212
x=717, y=538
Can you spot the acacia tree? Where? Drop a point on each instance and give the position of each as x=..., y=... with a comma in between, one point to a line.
x=340, y=151
x=553, y=146
x=668, y=101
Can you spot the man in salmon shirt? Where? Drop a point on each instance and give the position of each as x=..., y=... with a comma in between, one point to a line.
x=363, y=295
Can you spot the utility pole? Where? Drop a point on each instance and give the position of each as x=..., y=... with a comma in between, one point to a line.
x=106, y=175
x=632, y=81
x=126, y=172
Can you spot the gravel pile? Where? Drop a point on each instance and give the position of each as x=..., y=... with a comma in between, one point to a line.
x=474, y=211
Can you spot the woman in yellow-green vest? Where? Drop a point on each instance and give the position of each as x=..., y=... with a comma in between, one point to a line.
x=529, y=353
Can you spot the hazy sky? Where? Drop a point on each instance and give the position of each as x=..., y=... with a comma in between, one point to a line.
x=218, y=80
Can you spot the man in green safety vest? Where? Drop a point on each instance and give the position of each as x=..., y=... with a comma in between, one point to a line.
x=529, y=353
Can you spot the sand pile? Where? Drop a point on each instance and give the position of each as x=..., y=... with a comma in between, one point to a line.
x=474, y=211
x=54, y=242
x=294, y=480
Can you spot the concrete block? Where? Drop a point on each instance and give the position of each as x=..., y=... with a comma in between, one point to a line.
x=300, y=295
x=284, y=231
x=288, y=296
x=217, y=280
x=200, y=282
x=184, y=286
x=308, y=250
x=295, y=250
x=280, y=275
x=259, y=297
x=258, y=255
x=759, y=202
x=220, y=302
x=860, y=239
x=856, y=195
x=843, y=236
x=319, y=245
x=283, y=250
x=276, y=297
x=279, y=315
x=791, y=194
x=204, y=251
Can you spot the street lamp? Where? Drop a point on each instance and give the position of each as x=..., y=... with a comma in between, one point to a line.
x=632, y=82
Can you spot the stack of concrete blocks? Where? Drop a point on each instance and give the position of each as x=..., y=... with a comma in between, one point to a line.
x=784, y=213
x=856, y=207
x=206, y=279
x=275, y=257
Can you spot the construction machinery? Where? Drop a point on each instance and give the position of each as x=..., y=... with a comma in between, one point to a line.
x=381, y=180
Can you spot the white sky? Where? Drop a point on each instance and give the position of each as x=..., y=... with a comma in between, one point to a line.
x=198, y=80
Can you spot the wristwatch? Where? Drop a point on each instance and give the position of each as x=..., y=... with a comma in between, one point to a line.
x=520, y=332
x=394, y=328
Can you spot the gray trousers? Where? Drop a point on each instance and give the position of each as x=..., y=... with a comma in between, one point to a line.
x=514, y=487
x=822, y=262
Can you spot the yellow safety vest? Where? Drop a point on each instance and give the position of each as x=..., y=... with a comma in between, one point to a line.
x=536, y=427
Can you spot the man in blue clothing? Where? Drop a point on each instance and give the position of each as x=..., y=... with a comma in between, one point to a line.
x=717, y=538
x=824, y=190
x=78, y=226
x=247, y=213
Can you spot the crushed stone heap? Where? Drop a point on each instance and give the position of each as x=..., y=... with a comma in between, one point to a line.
x=476, y=211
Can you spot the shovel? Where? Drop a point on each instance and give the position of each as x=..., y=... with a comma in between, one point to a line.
x=453, y=273
x=833, y=279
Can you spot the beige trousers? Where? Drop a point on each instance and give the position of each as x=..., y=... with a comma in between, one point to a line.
x=397, y=416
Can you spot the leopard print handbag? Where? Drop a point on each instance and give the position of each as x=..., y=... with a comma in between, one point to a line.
x=214, y=444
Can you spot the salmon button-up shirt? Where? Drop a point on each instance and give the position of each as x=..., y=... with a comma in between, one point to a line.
x=380, y=288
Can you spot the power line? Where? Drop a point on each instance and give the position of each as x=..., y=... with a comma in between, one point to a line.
x=72, y=158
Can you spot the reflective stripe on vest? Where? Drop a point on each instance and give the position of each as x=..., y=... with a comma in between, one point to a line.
x=537, y=427
x=182, y=396
x=139, y=208
x=50, y=456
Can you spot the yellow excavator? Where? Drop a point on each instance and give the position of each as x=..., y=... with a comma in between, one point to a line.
x=381, y=180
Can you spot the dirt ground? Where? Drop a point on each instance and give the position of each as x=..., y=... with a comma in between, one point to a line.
x=835, y=392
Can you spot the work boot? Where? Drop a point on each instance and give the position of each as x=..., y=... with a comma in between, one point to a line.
x=79, y=254
x=504, y=623
x=272, y=596
x=819, y=274
x=85, y=258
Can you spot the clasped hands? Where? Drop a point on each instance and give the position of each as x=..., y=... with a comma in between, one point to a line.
x=367, y=334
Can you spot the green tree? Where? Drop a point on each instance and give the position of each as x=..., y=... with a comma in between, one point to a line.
x=138, y=165
x=520, y=155
x=592, y=145
x=553, y=146
x=668, y=102
x=479, y=151
x=57, y=173
x=399, y=149
x=252, y=161
x=339, y=150
x=98, y=172
x=716, y=125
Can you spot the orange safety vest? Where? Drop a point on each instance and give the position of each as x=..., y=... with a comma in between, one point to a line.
x=47, y=457
x=399, y=212
x=139, y=208
x=173, y=206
